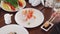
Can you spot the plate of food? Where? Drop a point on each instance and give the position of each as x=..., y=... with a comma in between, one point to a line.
x=12, y=5
x=29, y=17
x=13, y=29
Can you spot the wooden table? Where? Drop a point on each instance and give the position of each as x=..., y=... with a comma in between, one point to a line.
x=46, y=11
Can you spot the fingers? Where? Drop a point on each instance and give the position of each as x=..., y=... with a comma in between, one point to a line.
x=56, y=14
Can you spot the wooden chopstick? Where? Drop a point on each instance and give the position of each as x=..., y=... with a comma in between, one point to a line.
x=50, y=18
x=53, y=19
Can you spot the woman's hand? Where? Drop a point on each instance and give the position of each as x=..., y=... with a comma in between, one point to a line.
x=58, y=16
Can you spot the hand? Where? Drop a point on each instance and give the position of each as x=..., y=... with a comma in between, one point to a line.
x=58, y=16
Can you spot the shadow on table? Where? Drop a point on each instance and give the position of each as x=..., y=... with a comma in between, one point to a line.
x=56, y=29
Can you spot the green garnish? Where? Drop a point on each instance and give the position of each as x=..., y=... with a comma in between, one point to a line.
x=13, y=2
x=29, y=23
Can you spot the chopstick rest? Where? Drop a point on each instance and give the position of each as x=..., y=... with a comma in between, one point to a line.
x=48, y=24
x=7, y=18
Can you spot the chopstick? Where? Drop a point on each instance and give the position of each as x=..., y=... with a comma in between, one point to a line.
x=52, y=18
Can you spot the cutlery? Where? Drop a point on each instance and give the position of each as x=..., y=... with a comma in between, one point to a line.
x=48, y=24
x=7, y=18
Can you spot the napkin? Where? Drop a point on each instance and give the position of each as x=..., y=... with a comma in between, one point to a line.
x=49, y=3
x=36, y=2
x=7, y=18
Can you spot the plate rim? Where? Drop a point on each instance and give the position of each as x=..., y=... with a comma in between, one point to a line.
x=34, y=26
x=15, y=25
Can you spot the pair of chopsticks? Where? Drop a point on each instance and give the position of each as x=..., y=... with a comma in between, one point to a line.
x=52, y=18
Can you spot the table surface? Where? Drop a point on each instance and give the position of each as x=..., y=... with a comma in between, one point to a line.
x=46, y=11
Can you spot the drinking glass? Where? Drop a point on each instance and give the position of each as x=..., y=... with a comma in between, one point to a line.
x=56, y=6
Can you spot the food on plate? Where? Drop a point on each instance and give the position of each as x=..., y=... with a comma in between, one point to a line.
x=6, y=6
x=12, y=4
x=21, y=2
x=12, y=33
x=28, y=14
x=28, y=23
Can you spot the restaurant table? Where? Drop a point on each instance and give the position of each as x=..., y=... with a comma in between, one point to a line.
x=37, y=30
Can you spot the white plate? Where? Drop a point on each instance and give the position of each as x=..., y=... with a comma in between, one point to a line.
x=13, y=28
x=33, y=23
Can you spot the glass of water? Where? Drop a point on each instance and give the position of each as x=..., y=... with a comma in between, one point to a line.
x=56, y=5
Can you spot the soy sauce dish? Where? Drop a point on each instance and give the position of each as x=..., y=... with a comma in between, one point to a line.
x=12, y=5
